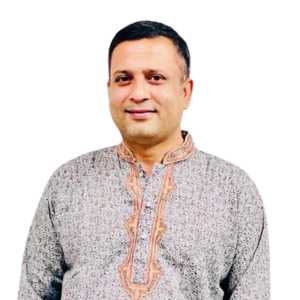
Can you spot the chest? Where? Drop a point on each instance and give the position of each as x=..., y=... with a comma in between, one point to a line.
x=199, y=220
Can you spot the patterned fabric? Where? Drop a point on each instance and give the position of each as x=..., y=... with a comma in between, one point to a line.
x=195, y=228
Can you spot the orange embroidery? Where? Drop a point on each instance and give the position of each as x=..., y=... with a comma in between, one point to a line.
x=137, y=291
x=182, y=152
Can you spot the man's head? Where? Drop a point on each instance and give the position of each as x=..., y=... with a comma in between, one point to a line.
x=149, y=68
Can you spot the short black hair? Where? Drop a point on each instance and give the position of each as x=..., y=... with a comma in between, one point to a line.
x=151, y=29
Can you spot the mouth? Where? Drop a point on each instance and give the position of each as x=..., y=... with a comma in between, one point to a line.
x=141, y=113
x=136, y=111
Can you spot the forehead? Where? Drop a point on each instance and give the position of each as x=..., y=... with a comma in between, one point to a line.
x=149, y=53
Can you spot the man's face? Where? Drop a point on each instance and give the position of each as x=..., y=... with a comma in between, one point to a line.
x=147, y=74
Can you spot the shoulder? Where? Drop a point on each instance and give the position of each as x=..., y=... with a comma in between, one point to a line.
x=221, y=174
x=217, y=168
x=82, y=165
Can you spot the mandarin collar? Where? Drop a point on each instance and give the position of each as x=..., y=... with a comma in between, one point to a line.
x=182, y=152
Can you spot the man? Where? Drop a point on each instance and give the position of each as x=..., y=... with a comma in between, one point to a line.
x=153, y=217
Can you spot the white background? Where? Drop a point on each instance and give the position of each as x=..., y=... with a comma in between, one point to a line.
x=245, y=104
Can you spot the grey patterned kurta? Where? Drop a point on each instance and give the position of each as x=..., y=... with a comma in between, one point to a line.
x=104, y=229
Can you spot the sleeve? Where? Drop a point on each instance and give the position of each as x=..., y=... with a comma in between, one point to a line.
x=43, y=264
x=249, y=276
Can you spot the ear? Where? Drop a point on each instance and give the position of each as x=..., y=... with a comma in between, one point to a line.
x=187, y=92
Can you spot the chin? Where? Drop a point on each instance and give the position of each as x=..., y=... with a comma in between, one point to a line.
x=140, y=134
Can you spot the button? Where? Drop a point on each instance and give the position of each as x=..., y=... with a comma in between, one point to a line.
x=144, y=235
x=149, y=204
x=141, y=171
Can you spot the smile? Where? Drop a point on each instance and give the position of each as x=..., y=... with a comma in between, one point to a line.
x=142, y=114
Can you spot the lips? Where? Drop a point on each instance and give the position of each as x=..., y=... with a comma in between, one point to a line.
x=140, y=110
x=141, y=114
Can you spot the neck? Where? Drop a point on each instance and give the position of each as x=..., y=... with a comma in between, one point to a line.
x=154, y=153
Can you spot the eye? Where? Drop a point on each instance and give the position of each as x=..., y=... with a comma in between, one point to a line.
x=121, y=79
x=156, y=77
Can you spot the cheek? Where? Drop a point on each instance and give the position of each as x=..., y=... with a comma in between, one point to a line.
x=169, y=101
x=117, y=96
x=163, y=96
x=170, y=90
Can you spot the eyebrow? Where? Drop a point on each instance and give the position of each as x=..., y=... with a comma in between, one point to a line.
x=145, y=71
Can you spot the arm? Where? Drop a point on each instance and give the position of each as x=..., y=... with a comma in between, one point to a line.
x=43, y=264
x=249, y=276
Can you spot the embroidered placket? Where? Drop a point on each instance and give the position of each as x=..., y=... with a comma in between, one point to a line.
x=138, y=290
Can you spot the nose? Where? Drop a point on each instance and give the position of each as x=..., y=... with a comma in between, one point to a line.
x=139, y=91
